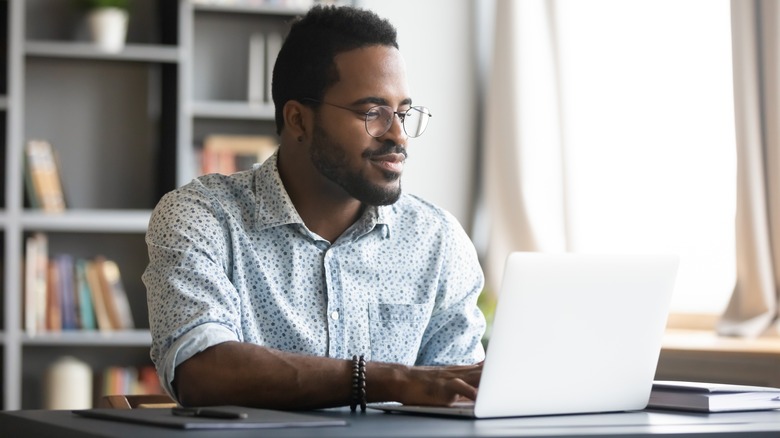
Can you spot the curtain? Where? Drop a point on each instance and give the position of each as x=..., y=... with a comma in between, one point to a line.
x=522, y=173
x=753, y=308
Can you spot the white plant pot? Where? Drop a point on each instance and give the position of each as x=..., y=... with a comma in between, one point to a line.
x=108, y=27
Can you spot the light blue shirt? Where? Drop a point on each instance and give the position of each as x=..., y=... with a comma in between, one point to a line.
x=231, y=260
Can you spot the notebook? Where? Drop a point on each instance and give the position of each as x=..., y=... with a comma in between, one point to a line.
x=572, y=333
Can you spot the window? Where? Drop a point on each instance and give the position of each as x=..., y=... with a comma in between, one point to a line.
x=649, y=136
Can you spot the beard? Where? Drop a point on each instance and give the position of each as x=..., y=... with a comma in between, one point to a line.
x=332, y=162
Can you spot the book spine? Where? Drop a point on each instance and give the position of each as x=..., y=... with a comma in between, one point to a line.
x=31, y=285
x=64, y=266
x=101, y=312
x=41, y=282
x=45, y=176
x=54, y=307
x=86, y=310
x=116, y=290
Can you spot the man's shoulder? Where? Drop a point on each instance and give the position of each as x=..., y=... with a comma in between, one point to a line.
x=217, y=184
x=212, y=190
x=413, y=210
x=414, y=204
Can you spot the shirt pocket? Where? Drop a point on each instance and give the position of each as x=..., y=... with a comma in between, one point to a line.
x=396, y=331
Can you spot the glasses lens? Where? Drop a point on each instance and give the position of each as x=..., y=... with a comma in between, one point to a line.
x=416, y=120
x=378, y=120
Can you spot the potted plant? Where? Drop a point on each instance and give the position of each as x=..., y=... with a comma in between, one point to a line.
x=107, y=20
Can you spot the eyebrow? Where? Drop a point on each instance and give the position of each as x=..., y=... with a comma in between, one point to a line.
x=380, y=101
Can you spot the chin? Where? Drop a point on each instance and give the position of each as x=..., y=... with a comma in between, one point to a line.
x=377, y=195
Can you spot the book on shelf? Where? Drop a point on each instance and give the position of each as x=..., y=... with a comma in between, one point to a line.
x=227, y=154
x=35, y=282
x=712, y=397
x=86, y=309
x=97, y=294
x=64, y=265
x=54, y=304
x=130, y=380
x=114, y=295
x=42, y=177
x=63, y=292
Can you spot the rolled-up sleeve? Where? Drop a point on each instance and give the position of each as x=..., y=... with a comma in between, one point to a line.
x=192, y=303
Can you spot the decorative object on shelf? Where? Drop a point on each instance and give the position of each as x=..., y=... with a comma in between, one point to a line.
x=107, y=21
x=68, y=384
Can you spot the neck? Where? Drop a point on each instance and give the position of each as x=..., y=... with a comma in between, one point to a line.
x=324, y=207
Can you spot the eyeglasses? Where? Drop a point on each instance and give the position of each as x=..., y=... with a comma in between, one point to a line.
x=379, y=118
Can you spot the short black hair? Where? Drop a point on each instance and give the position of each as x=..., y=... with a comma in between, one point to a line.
x=305, y=67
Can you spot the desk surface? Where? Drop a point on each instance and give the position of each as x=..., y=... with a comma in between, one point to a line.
x=377, y=424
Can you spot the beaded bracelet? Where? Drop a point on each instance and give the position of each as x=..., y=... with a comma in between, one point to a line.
x=358, y=384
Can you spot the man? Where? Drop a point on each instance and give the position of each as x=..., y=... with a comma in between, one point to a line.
x=265, y=287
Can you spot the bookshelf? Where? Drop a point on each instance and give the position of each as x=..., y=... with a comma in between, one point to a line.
x=127, y=127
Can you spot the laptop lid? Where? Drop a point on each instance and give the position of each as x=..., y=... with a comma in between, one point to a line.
x=576, y=333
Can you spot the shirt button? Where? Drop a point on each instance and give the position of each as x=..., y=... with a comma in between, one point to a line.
x=335, y=315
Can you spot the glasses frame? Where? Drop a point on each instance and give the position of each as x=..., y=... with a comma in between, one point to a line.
x=401, y=115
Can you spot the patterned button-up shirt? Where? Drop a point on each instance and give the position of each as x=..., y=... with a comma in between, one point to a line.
x=231, y=260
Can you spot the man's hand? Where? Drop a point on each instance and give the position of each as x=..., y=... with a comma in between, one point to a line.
x=438, y=386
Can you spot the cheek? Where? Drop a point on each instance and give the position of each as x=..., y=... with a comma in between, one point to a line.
x=353, y=147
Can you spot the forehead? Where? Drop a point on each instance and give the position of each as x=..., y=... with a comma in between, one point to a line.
x=374, y=71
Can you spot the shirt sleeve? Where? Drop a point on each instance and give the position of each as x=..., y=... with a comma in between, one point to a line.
x=454, y=333
x=192, y=303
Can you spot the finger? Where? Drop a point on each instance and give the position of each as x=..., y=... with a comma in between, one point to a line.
x=473, y=377
x=463, y=367
x=459, y=387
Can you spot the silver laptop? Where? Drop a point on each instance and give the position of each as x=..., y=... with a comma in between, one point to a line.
x=572, y=333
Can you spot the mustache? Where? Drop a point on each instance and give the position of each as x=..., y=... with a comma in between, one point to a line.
x=387, y=148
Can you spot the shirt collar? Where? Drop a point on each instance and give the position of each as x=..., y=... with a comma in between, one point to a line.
x=275, y=208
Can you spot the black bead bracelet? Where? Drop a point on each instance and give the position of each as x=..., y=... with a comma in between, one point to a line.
x=358, y=384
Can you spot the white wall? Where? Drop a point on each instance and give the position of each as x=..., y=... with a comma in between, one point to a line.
x=437, y=40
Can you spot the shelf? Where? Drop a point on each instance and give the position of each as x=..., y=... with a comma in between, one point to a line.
x=711, y=342
x=233, y=110
x=118, y=221
x=85, y=50
x=248, y=9
x=182, y=77
x=124, y=338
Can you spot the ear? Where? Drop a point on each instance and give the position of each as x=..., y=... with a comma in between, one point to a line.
x=297, y=119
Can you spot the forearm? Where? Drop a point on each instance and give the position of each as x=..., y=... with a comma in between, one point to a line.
x=250, y=375
x=234, y=373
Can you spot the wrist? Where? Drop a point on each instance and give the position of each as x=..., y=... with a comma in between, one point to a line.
x=384, y=381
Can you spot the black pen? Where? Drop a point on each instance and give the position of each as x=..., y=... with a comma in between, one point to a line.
x=208, y=413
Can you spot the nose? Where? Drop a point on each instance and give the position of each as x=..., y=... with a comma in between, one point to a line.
x=396, y=132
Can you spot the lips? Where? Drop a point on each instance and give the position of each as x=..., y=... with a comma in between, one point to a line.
x=393, y=162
